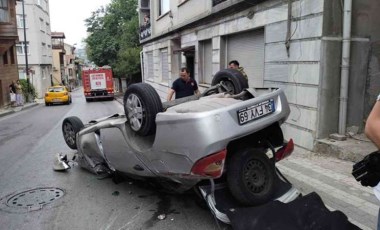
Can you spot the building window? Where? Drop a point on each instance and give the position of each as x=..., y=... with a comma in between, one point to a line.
x=12, y=55
x=164, y=65
x=20, y=21
x=44, y=51
x=4, y=11
x=5, y=58
x=216, y=2
x=21, y=48
x=205, y=52
x=164, y=7
x=47, y=28
x=42, y=25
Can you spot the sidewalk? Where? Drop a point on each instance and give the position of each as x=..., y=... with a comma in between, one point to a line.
x=7, y=110
x=353, y=149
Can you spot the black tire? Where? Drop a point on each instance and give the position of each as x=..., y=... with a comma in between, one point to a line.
x=87, y=100
x=232, y=78
x=70, y=127
x=47, y=104
x=142, y=96
x=250, y=177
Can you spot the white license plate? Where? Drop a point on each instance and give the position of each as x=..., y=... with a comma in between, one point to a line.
x=255, y=111
x=56, y=100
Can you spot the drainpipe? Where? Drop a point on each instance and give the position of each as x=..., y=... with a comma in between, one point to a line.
x=345, y=66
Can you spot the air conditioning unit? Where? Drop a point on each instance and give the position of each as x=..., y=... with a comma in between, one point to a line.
x=144, y=4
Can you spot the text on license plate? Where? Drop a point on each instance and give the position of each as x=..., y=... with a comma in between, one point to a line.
x=255, y=111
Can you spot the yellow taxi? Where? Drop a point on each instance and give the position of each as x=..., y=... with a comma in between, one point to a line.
x=57, y=95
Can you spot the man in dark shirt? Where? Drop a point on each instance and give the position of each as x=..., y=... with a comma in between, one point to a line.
x=184, y=86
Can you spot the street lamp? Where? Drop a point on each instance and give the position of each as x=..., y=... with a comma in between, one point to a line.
x=25, y=48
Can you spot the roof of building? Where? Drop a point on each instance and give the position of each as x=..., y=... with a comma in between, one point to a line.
x=58, y=35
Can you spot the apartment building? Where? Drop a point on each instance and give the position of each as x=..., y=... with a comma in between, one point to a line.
x=8, y=39
x=38, y=43
x=70, y=67
x=58, y=45
x=296, y=45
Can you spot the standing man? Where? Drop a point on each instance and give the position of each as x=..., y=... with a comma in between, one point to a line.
x=235, y=65
x=372, y=130
x=184, y=86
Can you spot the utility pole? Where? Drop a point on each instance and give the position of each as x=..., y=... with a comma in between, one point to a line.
x=25, y=49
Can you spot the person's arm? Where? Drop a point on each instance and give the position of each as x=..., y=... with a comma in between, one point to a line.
x=170, y=94
x=372, y=127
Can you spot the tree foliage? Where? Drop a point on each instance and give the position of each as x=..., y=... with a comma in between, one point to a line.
x=114, y=38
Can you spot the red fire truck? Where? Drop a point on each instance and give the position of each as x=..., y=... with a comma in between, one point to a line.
x=98, y=83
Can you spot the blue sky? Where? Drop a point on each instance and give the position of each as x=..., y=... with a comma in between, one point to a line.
x=68, y=16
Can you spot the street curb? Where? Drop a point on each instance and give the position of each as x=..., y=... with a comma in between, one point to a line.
x=15, y=110
x=6, y=113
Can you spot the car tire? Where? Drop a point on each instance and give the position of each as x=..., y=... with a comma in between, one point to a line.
x=47, y=104
x=70, y=127
x=250, y=176
x=141, y=105
x=232, y=78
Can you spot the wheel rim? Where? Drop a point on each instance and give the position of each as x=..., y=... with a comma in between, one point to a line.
x=228, y=86
x=69, y=133
x=255, y=176
x=135, y=112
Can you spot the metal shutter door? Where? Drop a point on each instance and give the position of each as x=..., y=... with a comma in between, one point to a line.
x=164, y=65
x=206, y=62
x=248, y=49
x=149, y=68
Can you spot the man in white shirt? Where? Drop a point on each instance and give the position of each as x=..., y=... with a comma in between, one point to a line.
x=372, y=130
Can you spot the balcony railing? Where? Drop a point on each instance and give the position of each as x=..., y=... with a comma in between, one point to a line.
x=145, y=31
x=216, y=2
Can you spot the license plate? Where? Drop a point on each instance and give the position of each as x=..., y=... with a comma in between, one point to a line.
x=57, y=100
x=255, y=111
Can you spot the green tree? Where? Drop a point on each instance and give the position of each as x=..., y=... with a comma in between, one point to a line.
x=114, y=38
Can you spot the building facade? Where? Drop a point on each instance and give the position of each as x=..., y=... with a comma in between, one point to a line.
x=38, y=41
x=295, y=45
x=8, y=40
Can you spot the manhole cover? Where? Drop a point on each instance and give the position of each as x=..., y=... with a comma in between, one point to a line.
x=31, y=200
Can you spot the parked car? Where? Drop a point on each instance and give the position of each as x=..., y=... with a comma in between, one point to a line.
x=225, y=133
x=57, y=95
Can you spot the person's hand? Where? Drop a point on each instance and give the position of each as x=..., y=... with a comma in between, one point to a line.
x=367, y=171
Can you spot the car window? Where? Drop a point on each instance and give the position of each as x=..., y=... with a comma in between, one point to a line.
x=57, y=89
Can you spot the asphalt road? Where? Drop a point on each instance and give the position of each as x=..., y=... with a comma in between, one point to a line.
x=29, y=141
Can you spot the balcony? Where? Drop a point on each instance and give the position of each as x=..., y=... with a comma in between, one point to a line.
x=145, y=31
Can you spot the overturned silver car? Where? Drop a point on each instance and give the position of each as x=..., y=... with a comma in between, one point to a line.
x=230, y=134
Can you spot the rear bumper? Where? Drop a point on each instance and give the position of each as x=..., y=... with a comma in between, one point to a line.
x=63, y=99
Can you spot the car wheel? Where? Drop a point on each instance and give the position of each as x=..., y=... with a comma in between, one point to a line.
x=250, y=176
x=141, y=105
x=70, y=127
x=46, y=104
x=232, y=81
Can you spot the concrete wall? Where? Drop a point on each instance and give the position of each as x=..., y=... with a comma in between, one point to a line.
x=366, y=59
